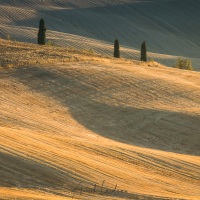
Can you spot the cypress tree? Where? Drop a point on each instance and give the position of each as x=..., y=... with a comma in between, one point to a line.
x=143, y=52
x=41, y=33
x=116, y=49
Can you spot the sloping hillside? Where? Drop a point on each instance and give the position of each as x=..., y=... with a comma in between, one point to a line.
x=170, y=27
x=97, y=128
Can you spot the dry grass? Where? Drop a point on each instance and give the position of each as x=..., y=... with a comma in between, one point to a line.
x=15, y=54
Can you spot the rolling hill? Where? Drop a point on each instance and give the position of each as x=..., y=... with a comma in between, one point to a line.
x=86, y=126
x=170, y=27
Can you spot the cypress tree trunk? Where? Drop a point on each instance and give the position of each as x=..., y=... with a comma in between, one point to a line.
x=116, y=49
x=143, y=52
x=41, y=33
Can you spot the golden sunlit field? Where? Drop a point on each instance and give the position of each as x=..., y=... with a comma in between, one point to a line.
x=78, y=125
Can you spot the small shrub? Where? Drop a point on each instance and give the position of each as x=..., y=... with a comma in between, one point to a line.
x=183, y=64
x=50, y=43
x=91, y=51
x=151, y=60
x=8, y=37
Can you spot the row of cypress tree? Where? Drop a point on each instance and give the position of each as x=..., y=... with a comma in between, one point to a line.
x=42, y=37
x=143, y=51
